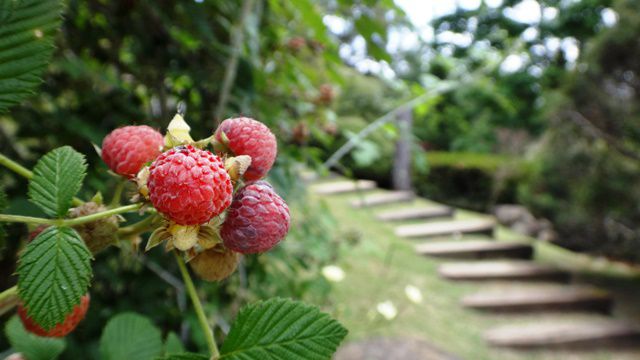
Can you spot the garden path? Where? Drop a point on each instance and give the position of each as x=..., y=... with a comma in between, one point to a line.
x=512, y=281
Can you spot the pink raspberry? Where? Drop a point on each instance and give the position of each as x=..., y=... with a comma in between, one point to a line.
x=189, y=186
x=127, y=149
x=256, y=221
x=250, y=137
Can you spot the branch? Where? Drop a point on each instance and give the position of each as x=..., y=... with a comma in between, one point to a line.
x=596, y=133
x=237, y=38
x=391, y=115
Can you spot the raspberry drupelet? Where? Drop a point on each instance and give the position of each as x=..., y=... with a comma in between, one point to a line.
x=189, y=186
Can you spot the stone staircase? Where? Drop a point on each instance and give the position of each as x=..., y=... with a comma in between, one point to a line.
x=526, y=285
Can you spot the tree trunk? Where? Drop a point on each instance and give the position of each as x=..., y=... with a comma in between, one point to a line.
x=401, y=173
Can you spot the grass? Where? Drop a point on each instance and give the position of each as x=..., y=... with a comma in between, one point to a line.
x=486, y=162
x=380, y=266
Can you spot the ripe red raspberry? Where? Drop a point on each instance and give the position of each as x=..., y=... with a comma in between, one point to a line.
x=70, y=322
x=127, y=149
x=189, y=186
x=256, y=221
x=250, y=137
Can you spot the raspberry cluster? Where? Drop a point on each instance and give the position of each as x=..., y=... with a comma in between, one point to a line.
x=193, y=189
x=213, y=204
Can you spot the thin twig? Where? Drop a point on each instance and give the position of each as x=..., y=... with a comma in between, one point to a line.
x=169, y=279
x=391, y=115
x=237, y=38
x=596, y=133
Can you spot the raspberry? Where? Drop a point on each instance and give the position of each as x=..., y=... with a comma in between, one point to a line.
x=99, y=234
x=250, y=137
x=256, y=221
x=70, y=322
x=214, y=264
x=189, y=186
x=37, y=231
x=127, y=149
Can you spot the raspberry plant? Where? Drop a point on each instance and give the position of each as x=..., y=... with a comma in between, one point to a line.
x=195, y=202
x=203, y=200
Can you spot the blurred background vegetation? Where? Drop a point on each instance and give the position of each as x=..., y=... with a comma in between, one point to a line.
x=544, y=112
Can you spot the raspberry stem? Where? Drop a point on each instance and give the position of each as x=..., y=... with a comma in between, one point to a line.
x=26, y=173
x=15, y=167
x=139, y=227
x=8, y=299
x=195, y=300
x=117, y=193
x=100, y=215
x=27, y=219
x=69, y=222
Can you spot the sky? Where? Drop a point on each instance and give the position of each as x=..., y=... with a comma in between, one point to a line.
x=421, y=12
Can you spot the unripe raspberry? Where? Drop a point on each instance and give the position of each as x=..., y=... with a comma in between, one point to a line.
x=127, y=149
x=189, y=186
x=99, y=234
x=70, y=322
x=215, y=264
x=250, y=137
x=256, y=221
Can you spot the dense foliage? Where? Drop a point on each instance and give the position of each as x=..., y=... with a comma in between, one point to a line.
x=588, y=165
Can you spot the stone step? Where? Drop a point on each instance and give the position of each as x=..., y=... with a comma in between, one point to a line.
x=389, y=197
x=344, y=186
x=443, y=228
x=476, y=249
x=590, y=333
x=536, y=299
x=428, y=212
x=501, y=270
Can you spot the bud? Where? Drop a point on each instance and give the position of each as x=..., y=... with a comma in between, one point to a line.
x=178, y=132
x=98, y=234
x=184, y=236
x=237, y=166
x=215, y=264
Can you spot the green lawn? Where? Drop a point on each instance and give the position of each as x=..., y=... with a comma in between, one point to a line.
x=380, y=266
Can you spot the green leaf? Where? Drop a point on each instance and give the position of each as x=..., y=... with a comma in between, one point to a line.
x=57, y=177
x=130, y=336
x=312, y=17
x=282, y=329
x=27, y=30
x=172, y=344
x=183, y=356
x=31, y=346
x=53, y=274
